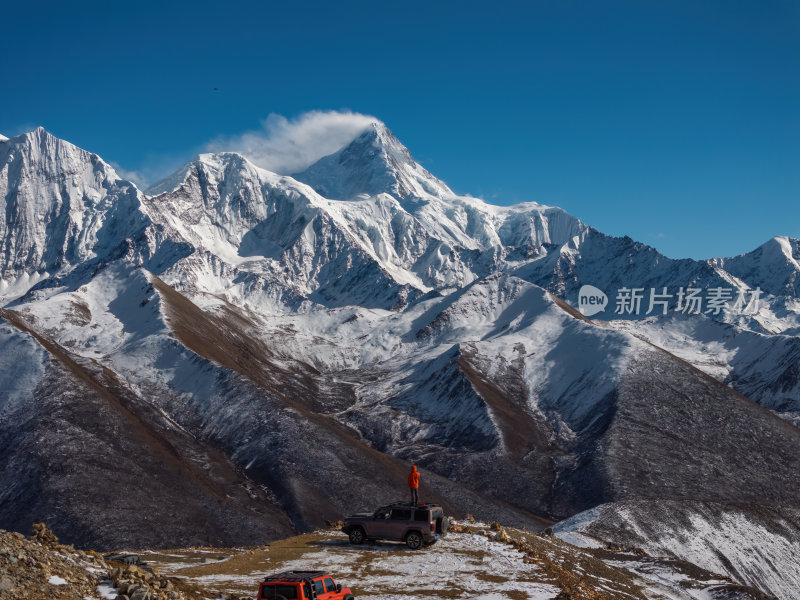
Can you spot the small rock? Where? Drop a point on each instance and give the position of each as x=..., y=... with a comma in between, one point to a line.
x=6, y=584
x=141, y=593
x=43, y=535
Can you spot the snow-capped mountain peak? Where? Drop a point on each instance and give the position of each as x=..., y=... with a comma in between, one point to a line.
x=774, y=266
x=64, y=206
x=789, y=247
x=374, y=163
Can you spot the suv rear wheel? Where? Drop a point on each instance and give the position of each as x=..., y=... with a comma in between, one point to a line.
x=414, y=540
x=357, y=535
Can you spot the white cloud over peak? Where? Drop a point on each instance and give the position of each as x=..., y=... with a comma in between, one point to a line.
x=137, y=177
x=288, y=146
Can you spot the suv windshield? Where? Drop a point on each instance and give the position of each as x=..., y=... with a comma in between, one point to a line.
x=269, y=592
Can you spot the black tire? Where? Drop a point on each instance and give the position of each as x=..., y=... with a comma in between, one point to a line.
x=357, y=536
x=349, y=597
x=414, y=540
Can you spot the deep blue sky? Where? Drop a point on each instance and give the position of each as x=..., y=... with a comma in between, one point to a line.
x=677, y=123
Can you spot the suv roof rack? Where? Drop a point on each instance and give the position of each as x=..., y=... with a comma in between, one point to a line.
x=413, y=505
x=294, y=575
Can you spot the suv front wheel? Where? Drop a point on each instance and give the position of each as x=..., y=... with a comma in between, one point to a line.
x=357, y=536
x=414, y=540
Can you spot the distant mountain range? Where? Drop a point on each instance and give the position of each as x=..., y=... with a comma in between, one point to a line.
x=234, y=355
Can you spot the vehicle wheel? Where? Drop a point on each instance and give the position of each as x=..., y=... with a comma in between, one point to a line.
x=357, y=536
x=414, y=540
x=444, y=525
x=349, y=597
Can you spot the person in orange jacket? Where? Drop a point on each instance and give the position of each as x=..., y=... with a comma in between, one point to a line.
x=413, y=484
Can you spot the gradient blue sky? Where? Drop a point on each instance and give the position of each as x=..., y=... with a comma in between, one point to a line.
x=676, y=123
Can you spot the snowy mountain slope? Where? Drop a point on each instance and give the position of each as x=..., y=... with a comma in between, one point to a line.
x=532, y=417
x=563, y=399
x=267, y=414
x=88, y=453
x=612, y=264
x=762, y=367
x=498, y=372
x=773, y=266
x=64, y=208
x=754, y=545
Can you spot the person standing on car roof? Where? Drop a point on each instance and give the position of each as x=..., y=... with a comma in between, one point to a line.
x=413, y=484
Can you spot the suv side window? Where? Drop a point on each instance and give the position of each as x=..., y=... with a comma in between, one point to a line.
x=382, y=513
x=307, y=590
x=421, y=515
x=329, y=585
x=318, y=588
x=289, y=591
x=401, y=514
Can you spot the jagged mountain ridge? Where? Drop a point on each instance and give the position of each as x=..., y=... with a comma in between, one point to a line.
x=406, y=323
x=63, y=207
x=425, y=239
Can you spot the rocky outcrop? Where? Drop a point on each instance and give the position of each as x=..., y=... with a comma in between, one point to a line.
x=40, y=567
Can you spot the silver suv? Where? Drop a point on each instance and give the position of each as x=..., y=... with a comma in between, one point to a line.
x=415, y=524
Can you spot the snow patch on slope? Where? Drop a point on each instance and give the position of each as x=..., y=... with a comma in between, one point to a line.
x=754, y=545
x=22, y=362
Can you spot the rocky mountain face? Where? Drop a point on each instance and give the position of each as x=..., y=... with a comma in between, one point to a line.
x=235, y=354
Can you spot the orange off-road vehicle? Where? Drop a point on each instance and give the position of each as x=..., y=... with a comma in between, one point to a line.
x=302, y=585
